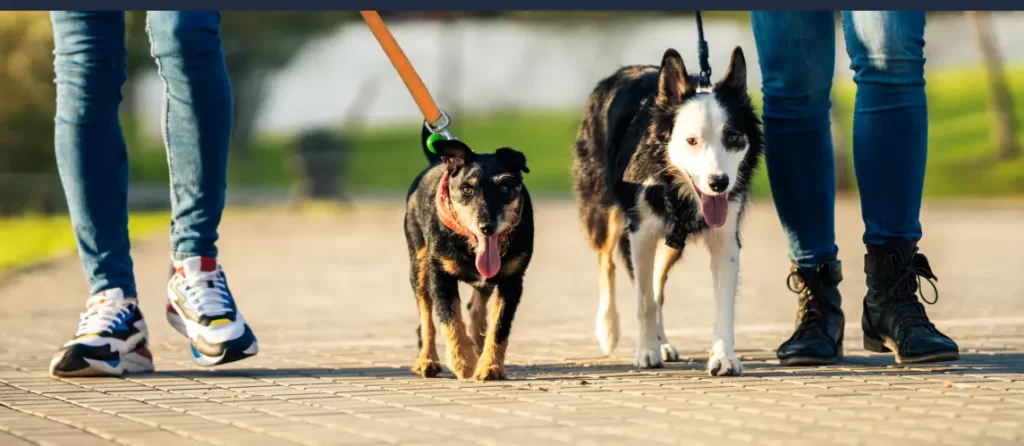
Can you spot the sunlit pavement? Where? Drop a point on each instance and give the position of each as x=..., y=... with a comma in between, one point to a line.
x=328, y=296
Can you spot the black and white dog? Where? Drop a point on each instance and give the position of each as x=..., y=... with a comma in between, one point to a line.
x=660, y=161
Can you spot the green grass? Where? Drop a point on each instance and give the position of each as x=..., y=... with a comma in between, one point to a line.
x=960, y=162
x=391, y=157
x=31, y=239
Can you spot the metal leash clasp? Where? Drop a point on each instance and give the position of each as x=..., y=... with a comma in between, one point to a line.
x=441, y=126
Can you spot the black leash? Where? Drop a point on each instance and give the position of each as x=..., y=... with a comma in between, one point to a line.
x=704, y=81
x=684, y=215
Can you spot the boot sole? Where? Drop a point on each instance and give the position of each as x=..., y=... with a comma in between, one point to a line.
x=886, y=345
x=813, y=360
x=799, y=361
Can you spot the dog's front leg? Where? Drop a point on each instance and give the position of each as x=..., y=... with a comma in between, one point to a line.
x=427, y=365
x=644, y=243
x=664, y=261
x=477, y=307
x=461, y=354
x=492, y=362
x=725, y=268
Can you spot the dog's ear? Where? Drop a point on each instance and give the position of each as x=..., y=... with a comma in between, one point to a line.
x=672, y=83
x=736, y=75
x=453, y=153
x=513, y=159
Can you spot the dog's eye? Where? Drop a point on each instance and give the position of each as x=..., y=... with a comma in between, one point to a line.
x=467, y=190
x=691, y=141
x=503, y=189
x=732, y=138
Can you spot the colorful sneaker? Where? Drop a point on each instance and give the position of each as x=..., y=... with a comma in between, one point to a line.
x=201, y=308
x=111, y=339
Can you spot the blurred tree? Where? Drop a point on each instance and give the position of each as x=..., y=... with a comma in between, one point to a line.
x=26, y=86
x=256, y=45
x=27, y=166
x=840, y=153
x=139, y=59
x=1002, y=130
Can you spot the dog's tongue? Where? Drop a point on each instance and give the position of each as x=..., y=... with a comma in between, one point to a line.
x=715, y=209
x=488, y=256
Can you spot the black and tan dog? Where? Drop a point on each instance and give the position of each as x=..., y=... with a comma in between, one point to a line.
x=661, y=160
x=468, y=218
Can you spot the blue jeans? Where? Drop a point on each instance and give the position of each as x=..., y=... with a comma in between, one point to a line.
x=890, y=123
x=90, y=66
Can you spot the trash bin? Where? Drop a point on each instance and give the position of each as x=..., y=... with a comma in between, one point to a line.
x=322, y=160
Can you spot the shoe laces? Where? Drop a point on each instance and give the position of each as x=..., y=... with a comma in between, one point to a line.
x=207, y=294
x=905, y=289
x=102, y=313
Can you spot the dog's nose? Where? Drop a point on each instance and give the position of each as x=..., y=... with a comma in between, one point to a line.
x=718, y=182
x=488, y=228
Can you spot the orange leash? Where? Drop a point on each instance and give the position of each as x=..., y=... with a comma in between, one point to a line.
x=437, y=121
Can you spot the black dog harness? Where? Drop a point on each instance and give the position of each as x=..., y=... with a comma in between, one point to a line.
x=683, y=219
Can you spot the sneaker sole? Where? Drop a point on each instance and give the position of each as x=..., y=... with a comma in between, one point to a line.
x=887, y=345
x=236, y=349
x=138, y=361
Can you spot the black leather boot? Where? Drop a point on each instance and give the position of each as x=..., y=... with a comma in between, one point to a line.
x=894, y=320
x=818, y=338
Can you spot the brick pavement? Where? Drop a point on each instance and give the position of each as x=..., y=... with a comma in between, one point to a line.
x=328, y=296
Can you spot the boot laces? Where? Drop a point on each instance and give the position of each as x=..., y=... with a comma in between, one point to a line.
x=813, y=311
x=905, y=289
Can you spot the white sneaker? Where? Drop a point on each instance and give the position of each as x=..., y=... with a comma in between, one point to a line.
x=200, y=307
x=110, y=341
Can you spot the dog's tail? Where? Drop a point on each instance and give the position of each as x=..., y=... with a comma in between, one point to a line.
x=432, y=157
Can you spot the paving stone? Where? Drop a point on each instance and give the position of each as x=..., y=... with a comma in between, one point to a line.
x=329, y=298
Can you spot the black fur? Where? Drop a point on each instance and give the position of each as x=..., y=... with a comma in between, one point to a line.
x=622, y=143
x=496, y=185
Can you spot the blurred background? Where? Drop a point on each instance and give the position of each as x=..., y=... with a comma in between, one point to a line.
x=321, y=116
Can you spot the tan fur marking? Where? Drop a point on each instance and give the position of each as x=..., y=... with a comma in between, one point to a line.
x=607, y=324
x=665, y=259
x=616, y=222
x=462, y=355
x=466, y=219
x=492, y=360
x=449, y=266
x=606, y=261
x=511, y=266
x=510, y=216
x=478, y=319
x=427, y=365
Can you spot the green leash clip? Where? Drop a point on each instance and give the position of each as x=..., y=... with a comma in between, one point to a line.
x=438, y=132
x=431, y=139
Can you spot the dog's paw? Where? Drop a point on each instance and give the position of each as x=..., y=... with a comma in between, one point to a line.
x=490, y=373
x=722, y=363
x=648, y=355
x=462, y=360
x=669, y=353
x=463, y=369
x=427, y=368
x=607, y=331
